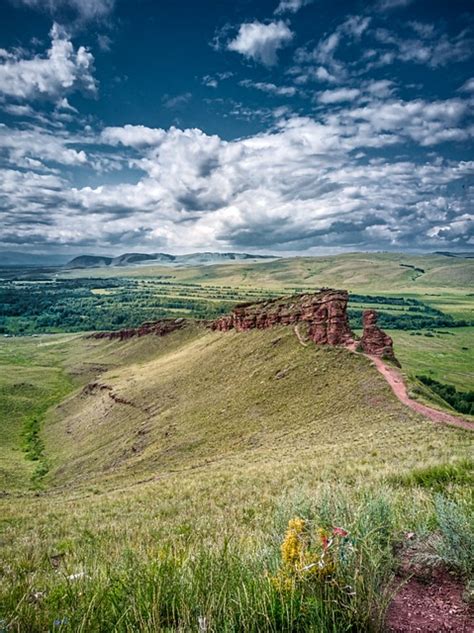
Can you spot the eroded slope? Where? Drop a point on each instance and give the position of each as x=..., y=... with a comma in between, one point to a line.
x=207, y=399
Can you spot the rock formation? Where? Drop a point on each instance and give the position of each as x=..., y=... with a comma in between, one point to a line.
x=324, y=312
x=159, y=328
x=374, y=341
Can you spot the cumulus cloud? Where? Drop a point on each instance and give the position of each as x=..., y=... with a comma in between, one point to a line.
x=36, y=149
x=305, y=184
x=290, y=6
x=338, y=95
x=61, y=71
x=131, y=135
x=261, y=42
x=84, y=9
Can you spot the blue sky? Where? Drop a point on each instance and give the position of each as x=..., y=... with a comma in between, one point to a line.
x=293, y=127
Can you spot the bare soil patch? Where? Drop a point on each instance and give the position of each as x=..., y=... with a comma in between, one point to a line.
x=429, y=604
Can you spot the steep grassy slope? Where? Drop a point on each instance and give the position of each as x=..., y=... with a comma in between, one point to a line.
x=169, y=490
x=206, y=399
x=37, y=373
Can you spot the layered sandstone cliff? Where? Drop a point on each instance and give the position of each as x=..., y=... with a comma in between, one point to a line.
x=324, y=312
x=375, y=341
x=159, y=328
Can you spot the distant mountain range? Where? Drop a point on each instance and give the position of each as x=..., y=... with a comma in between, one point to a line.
x=11, y=259
x=192, y=259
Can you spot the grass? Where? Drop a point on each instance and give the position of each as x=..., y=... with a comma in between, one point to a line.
x=359, y=272
x=170, y=489
x=174, y=509
x=446, y=356
x=211, y=398
x=438, y=477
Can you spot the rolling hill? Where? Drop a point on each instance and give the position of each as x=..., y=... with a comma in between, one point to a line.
x=135, y=259
x=358, y=272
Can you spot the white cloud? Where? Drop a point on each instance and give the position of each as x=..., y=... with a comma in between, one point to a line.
x=468, y=86
x=305, y=184
x=178, y=101
x=338, y=95
x=85, y=9
x=132, y=135
x=434, y=49
x=281, y=91
x=36, y=148
x=261, y=42
x=290, y=6
x=212, y=81
x=61, y=71
x=328, y=68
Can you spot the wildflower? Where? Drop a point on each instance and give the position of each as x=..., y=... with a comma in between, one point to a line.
x=37, y=596
x=293, y=544
x=338, y=531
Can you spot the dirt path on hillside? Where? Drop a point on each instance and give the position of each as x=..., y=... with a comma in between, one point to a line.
x=395, y=380
x=299, y=336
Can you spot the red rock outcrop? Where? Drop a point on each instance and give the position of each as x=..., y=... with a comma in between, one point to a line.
x=375, y=341
x=325, y=313
x=159, y=328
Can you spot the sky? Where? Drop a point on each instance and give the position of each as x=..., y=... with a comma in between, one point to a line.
x=292, y=127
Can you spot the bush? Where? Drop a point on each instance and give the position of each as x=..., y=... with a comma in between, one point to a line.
x=453, y=545
x=462, y=401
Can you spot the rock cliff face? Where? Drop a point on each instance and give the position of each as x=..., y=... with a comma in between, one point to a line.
x=374, y=341
x=159, y=328
x=324, y=313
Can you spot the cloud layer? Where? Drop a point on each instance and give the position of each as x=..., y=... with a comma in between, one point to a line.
x=303, y=185
x=261, y=42
x=61, y=71
x=84, y=9
x=342, y=153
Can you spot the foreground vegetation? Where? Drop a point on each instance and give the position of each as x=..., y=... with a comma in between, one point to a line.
x=227, y=482
x=103, y=566
x=172, y=517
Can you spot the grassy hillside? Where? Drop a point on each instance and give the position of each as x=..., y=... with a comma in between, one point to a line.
x=358, y=272
x=446, y=355
x=147, y=484
x=208, y=397
x=169, y=490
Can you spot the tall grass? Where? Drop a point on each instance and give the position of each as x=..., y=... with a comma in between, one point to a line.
x=452, y=545
x=196, y=585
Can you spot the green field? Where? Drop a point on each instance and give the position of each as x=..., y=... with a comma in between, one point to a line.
x=155, y=485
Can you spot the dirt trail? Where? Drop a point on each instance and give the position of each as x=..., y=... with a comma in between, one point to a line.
x=395, y=380
x=299, y=336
